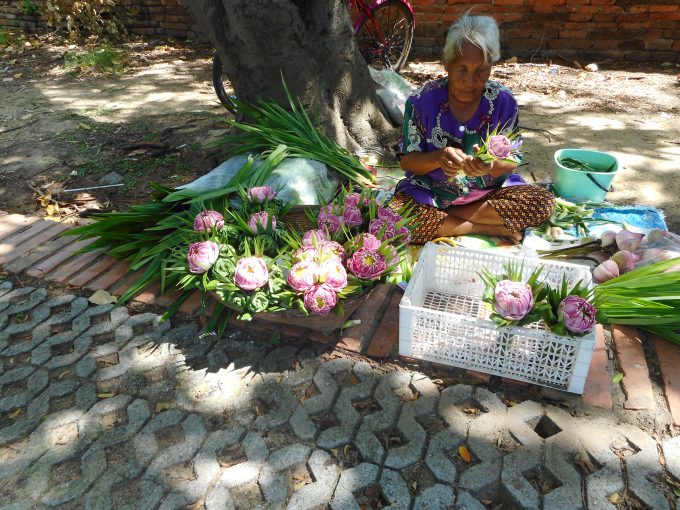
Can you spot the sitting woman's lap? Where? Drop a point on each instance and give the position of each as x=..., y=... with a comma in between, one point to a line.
x=518, y=206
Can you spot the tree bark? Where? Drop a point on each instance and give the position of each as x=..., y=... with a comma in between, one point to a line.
x=308, y=42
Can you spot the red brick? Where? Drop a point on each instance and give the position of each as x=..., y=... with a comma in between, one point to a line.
x=93, y=271
x=573, y=34
x=386, y=337
x=36, y=235
x=323, y=338
x=39, y=253
x=510, y=2
x=149, y=293
x=75, y=265
x=112, y=275
x=631, y=360
x=11, y=223
x=168, y=297
x=668, y=355
x=47, y=265
x=125, y=282
x=294, y=331
x=597, y=391
x=478, y=376
x=355, y=337
x=192, y=304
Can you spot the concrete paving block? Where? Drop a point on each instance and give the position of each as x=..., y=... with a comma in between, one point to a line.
x=437, y=458
x=411, y=452
x=559, y=450
x=28, y=421
x=194, y=434
x=352, y=480
x=92, y=465
x=288, y=456
x=514, y=485
x=317, y=494
x=34, y=381
x=395, y=490
x=465, y=501
x=671, y=452
x=437, y=497
x=254, y=447
x=302, y=424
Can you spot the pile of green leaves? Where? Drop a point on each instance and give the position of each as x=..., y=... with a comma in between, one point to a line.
x=273, y=125
x=647, y=297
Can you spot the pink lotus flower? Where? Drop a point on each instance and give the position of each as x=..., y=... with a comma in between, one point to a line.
x=377, y=225
x=251, y=273
x=500, y=146
x=606, y=271
x=388, y=215
x=333, y=274
x=330, y=222
x=201, y=256
x=258, y=221
x=206, y=220
x=303, y=275
x=367, y=264
x=368, y=241
x=627, y=240
x=332, y=250
x=320, y=299
x=405, y=234
x=625, y=260
x=512, y=300
x=314, y=237
x=352, y=216
x=577, y=314
x=261, y=194
x=326, y=210
x=352, y=200
x=608, y=238
x=306, y=253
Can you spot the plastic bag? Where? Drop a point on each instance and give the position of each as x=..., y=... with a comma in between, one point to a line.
x=298, y=181
x=393, y=90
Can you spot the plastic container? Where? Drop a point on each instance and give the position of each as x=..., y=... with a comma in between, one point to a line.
x=442, y=319
x=581, y=185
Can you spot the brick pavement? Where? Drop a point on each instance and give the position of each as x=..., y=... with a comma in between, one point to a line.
x=40, y=336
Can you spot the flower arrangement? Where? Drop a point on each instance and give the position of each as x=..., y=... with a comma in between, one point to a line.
x=253, y=264
x=565, y=310
x=503, y=147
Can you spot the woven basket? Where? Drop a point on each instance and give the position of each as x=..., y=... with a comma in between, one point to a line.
x=297, y=218
x=324, y=323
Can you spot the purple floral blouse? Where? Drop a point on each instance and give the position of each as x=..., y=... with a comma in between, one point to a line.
x=430, y=125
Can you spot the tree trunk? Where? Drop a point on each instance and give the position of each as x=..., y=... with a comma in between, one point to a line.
x=310, y=43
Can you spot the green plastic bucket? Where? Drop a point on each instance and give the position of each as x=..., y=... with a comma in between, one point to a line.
x=582, y=185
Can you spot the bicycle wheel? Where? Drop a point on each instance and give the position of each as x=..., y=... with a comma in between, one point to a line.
x=218, y=84
x=385, y=40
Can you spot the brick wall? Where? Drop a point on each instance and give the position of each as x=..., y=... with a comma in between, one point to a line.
x=620, y=29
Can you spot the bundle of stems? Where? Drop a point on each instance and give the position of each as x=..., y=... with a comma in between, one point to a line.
x=147, y=234
x=272, y=125
x=647, y=297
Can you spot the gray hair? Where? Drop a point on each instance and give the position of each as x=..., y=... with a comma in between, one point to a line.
x=481, y=31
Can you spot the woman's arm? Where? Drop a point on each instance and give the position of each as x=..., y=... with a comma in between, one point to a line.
x=475, y=167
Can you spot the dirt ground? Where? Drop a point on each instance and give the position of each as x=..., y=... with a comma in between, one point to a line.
x=64, y=129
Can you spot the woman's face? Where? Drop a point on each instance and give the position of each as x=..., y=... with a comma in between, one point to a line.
x=468, y=74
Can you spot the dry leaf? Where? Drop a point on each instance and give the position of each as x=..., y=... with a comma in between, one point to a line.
x=258, y=410
x=299, y=485
x=615, y=498
x=105, y=395
x=163, y=406
x=346, y=450
x=52, y=209
x=102, y=297
x=354, y=380
x=137, y=152
x=13, y=61
x=334, y=451
x=198, y=505
x=84, y=126
x=15, y=414
x=45, y=199
x=464, y=454
x=17, y=76
x=63, y=374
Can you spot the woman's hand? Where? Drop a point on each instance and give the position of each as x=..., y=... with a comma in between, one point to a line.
x=451, y=160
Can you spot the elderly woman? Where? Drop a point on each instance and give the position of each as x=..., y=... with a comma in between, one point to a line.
x=443, y=126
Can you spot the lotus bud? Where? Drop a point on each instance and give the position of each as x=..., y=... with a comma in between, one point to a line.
x=654, y=253
x=627, y=240
x=655, y=235
x=625, y=260
x=606, y=271
x=556, y=232
x=577, y=314
x=608, y=238
x=512, y=300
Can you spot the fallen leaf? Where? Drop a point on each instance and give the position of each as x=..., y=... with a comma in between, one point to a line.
x=63, y=374
x=464, y=454
x=137, y=152
x=334, y=451
x=17, y=76
x=299, y=485
x=197, y=505
x=354, y=380
x=615, y=498
x=15, y=414
x=105, y=395
x=45, y=199
x=52, y=209
x=102, y=297
x=676, y=492
x=13, y=61
x=163, y=406
x=84, y=126
x=258, y=410
x=346, y=450
x=499, y=440
x=617, y=378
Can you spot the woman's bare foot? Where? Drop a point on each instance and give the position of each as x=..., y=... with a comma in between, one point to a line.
x=456, y=227
x=502, y=231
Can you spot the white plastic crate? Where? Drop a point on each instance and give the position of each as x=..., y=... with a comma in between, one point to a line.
x=442, y=319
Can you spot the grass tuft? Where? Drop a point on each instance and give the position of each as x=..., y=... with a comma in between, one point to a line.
x=105, y=60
